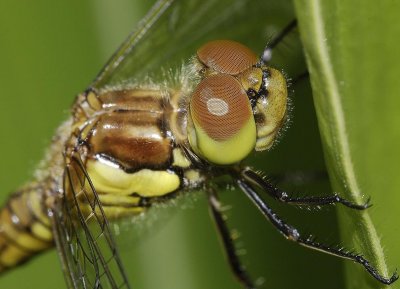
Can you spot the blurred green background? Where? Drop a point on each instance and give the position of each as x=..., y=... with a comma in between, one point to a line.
x=49, y=52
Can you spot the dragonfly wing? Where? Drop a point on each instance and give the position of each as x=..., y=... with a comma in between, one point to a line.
x=172, y=30
x=83, y=236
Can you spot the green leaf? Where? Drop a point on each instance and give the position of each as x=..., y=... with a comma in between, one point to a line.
x=352, y=56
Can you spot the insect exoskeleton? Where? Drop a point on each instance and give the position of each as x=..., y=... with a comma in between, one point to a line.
x=239, y=105
x=131, y=137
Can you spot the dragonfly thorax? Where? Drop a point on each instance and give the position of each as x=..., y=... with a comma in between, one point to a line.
x=130, y=147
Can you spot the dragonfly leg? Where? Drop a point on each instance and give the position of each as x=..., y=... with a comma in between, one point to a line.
x=285, y=197
x=267, y=54
x=227, y=241
x=291, y=233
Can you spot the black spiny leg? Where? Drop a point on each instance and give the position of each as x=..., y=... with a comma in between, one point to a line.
x=293, y=234
x=282, y=196
x=229, y=247
x=267, y=54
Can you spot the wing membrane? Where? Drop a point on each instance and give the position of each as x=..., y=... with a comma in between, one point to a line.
x=173, y=30
x=83, y=236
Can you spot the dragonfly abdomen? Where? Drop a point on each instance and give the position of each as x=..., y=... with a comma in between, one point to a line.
x=25, y=227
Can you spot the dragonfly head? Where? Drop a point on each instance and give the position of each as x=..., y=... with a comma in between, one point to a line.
x=239, y=105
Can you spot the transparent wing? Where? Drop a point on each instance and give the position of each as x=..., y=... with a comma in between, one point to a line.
x=83, y=237
x=172, y=31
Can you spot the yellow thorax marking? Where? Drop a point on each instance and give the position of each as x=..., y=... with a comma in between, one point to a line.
x=108, y=179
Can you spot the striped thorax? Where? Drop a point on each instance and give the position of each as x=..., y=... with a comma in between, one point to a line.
x=132, y=148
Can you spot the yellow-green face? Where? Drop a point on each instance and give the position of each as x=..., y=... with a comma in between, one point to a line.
x=239, y=105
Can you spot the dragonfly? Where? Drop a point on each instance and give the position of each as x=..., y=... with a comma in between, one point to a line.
x=106, y=166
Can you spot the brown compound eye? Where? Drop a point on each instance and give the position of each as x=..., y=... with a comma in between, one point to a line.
x=220, y=106
x=226, y=56
x=223, y=121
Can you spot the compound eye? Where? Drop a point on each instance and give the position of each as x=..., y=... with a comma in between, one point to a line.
x=223, y=122
x=226, y=56
x=220, y=106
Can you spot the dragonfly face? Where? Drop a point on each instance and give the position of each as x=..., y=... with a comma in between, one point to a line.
x=239, y=105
